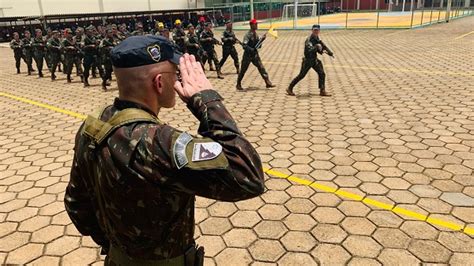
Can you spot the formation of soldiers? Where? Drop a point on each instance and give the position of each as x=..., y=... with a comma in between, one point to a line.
x=89, y=50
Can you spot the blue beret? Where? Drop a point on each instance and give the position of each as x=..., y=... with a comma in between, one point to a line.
x=144, y=50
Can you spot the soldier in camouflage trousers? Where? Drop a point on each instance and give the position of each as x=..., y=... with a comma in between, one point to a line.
x=17, y=48
x=54, y=50
x=28, y=51
x=105, y=47
x=228, y=47
x=70, y=52
x=208, y=41
x=39, y=48
x=134, y=179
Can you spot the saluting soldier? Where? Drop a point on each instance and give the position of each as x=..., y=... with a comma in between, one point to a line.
x=179, y=36
x=312, y=46
x=228, y=46
x=28, y=51
x=39, y=47
x=207, y=42
x=70, y=53
x=54, y=48
x=252, y=42
x=134, y=179
x=106, y=46
x=17, y=48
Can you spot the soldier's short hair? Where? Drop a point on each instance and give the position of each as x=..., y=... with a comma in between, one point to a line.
x=190, y=26
x=38, y=30
x=79, y=29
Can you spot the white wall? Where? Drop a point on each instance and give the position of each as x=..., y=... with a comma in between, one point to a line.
x=30, y=7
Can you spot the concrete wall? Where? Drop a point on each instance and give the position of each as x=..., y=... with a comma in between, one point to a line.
x=31, y=7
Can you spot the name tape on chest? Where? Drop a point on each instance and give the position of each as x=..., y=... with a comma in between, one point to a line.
x=179, y=149
x=206, y=151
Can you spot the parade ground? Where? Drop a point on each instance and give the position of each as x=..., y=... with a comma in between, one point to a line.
x=379, y=173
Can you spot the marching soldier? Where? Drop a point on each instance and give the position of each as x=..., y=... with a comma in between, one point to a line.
x=79, y=39
x=106, y=46
x=17, y=48
x=70, y=53
x=228, y=47
x=207, y=42
x=313, y=45
x=28, y=51
x=139, y=30
x=192, y=44
x=54, y=49
x=123, y=32
x=39, y=46
x=199, y=29
x=159, y=28
x=47, y=56
x=179, y=35
x=90, y=53
x=252, y=42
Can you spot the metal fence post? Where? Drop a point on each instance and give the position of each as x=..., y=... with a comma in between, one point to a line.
x=412, y=15
x=378, y=13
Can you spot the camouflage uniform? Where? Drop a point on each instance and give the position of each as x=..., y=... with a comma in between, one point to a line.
x=134, y=189
x=28, y=53
x=207, y=42
x=199, y=30
x=191, y=41
x=310, y=60
x=70, y=53
x=179, y=38
x=228, y=48
x=90, y=56
x=251, y=39
x=17, y=53
x=79, y=39
x=54, y=48
x=105, y=46
x=39, y=47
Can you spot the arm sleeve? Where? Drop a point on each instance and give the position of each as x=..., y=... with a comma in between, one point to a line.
x=221, y=165
x=80, y=209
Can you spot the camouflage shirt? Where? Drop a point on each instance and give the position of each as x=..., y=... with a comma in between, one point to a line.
x=16, y=46
x=311, y=48
x=137, y=189
x=228, y=38
x=251, y=39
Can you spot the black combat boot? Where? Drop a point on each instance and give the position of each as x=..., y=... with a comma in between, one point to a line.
x=322, y=92
x=40, y=74
x=104, y=85
x=29, y=72
x=69, y=79
x=53, y=77
x=82, y=78
x=86, y=82
x=239, y=87
x=269, y=83
x=237, y=69
x=18, y=71
x=219, y=75
x=289, y=90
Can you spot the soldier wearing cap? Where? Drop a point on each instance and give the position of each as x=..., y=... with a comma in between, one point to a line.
x=192, y=44
x=208, y=41
x=70, y=52
x=106, y=46
x=90, y=47
x=228, y=47
x=159, y=28
x=199, y=29
x=252, y=42
x=179, y=36
x=17, y=48
x=54, y=49
x=39, y=48
x=138, y=30
x=79, y=39
x=134, y=179
x=312, y=46
x=28, y=51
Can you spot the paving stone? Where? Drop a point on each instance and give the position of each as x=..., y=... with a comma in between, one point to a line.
x=429, y=251
x=362, y=246
x=222, y=209
x=266, y=250
x=329, y=233
x=246, y=219
x=456, y=241
x=25, y=254
x=458, y=199
x=392, y=238
x=464, y=213
x=13, y=241
x=238, y=256
x=240, y=238
x=329, y=254
x=47, y=234
x=461, y=259
x=353, y=208
x=80, y=256
x=296, y=259
x=47, y=260
x=213, y=244
x=215, y=226
x=34, y=223
x=299, y=222
x=273, y=212
x=7, y=228
x=385, y=219
x=363, y=262
x=298, y=241
x=397, y=257
x=327, y=215
x=62, y=246
x=270, y=229
x=358, y=226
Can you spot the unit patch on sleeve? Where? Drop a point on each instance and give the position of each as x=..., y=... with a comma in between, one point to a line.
x=179, y=149
x=206, y=151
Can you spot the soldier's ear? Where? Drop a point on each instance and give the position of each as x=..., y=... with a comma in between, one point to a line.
x=157, y=84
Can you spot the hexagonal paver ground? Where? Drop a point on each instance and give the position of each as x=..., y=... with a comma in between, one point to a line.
x=398, y=129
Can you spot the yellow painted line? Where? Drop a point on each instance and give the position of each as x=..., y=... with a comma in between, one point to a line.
x=47, y=106
x=372, y=202
x=339, y=192
x=464, y=35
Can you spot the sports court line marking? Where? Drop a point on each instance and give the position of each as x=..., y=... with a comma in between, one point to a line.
x=407, y=70
x=341, y=193
x=464, y=35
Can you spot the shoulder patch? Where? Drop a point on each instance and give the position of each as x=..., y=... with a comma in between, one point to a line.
x=206, y=151
x=179, y=149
